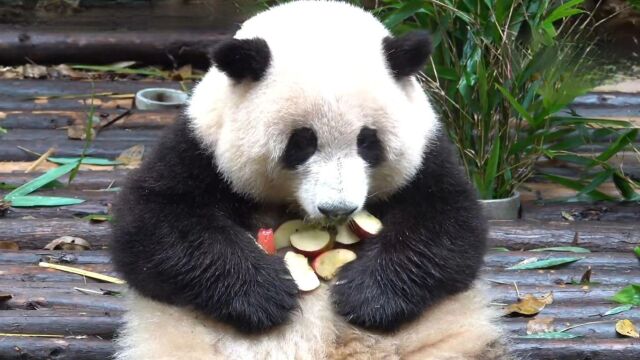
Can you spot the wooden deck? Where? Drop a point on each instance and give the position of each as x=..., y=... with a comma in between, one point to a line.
x=45, y=301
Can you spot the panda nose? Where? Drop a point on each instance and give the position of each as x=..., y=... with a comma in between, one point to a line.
x=336, y=212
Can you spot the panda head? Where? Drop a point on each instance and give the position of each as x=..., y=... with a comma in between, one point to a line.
x=324, y=117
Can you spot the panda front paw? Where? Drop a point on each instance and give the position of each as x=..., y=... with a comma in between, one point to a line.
x=267, y=299
x=371, y=302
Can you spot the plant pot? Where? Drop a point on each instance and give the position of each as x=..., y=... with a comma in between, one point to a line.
x=160, y=98
x=502, y=209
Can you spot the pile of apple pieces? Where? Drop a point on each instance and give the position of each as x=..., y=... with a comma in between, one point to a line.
x=314, y=243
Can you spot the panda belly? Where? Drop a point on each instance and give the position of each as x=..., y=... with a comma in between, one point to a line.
x=461, y=327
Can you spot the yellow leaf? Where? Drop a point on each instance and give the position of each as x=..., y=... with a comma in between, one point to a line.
x=625, y=327
x=529, y=304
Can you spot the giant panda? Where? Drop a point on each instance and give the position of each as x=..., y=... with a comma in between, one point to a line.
x=311, y=110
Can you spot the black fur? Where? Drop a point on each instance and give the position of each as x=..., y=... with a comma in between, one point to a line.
x=431, y=246
x=302, y=144
x=242, y=59
x=181, y=237
x=369, y=146
x=407, y=54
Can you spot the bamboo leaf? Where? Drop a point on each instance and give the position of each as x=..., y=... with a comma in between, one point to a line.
x=618, y=309
x=574, y=249
x=621, y=142
x=636, y=250
x=405, y=11
x=628, y=295
x=577, y=186
x=555, y=335
x=597, y=181
x=624, y=186
x=40, y=181
x=519, y=108
x=492, y=169
x=543, y=264
x=85, y=161
x=34, y=201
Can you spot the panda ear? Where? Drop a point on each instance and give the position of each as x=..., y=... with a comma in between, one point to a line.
x=407, y=54
x=242, y=59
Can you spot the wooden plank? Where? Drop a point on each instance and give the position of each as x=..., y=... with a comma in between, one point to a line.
x=37, y=273
x=14, y=91
x=20, y=348
x=598, y=330
x=91, y=46
x=35, y=233
x=582, y=211
x=576, y=349
x=58, y=119
x=60, y=322
x=33, y=257
x=616, y=277
x=601, y=236
x=602, y=260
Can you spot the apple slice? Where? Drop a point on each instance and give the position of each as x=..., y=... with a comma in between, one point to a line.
x=311, y=242
x=328, y=263
x=284, y=231
x=302, y=273
x=365, y=225
x=345, y=236
x=266, y=240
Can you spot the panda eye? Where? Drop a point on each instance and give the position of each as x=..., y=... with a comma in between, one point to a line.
x=369, y=146
x=302, y=144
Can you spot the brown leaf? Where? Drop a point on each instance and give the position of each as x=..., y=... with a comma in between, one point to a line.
x=529, y=304
x=77, y=132
x=64, y=70
x=10, y=73
x=9, y=245
x=131, y=157
x=184, y=73
x=586, y=277
x=567, y=216
x=540, y=324
x=5, y=296
x=35, y=71
x=576, y=239
x=68, y=243
x=626, y=328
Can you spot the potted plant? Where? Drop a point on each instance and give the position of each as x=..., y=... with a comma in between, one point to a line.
x=502, y=72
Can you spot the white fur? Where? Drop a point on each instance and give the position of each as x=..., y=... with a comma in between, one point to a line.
x=459, y=328
x=327, y=72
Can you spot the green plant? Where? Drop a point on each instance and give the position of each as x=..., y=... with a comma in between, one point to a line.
x=502, y=72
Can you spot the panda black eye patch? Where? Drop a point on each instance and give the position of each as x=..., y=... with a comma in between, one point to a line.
x=370, y=146
x=302, y=144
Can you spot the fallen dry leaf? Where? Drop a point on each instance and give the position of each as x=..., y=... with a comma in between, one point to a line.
x=529, y=304
x=586, y=277
x=626, y=328
x=131, y=157
x=68, y=243
x=35, y=71
x=9, y=245
x=78, y=132
x=540, y=324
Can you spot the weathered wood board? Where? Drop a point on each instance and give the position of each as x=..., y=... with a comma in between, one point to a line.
x=45, y=302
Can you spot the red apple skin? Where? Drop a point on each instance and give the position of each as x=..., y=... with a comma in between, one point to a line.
x=358, y=231
x=266, y=240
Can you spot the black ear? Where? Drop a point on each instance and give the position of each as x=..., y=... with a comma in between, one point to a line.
x=242, y=59
x=407, y=54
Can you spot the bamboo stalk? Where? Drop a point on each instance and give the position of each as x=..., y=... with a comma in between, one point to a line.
x=89, y=274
